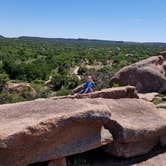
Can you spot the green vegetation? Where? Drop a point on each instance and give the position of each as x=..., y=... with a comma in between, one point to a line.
x=3, y=80
x=115, y=85
x=10, y=98
x=37, y=60
x=157, y=100
x=63, y=92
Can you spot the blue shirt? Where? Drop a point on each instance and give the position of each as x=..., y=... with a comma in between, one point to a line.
x=87, y=87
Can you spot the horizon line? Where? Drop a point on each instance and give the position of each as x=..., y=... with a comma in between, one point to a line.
x=80, y=38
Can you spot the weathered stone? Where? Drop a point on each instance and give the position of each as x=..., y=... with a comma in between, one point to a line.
x=42, y=130
x=113, y=93
x=161, y=105
x=148, y=75
x=110, y=93
x=162, y=113
x=135, y=119
x=130, y=149
x=46, y=129
x=20, y=88
x=136, y=126
x=148, y=96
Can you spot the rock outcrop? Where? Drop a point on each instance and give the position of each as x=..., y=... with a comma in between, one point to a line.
x=20, y=88
x=148, y=75
x=47, y=129
x=161, y=105
x=148, y=96
x=136, y=125
x=110, y=93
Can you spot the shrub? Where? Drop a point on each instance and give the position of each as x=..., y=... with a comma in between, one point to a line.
x=157, y=100
x=63, y=92
x=114, y=85
x=71, y=82
x=82, y=70
x=41, y=90
x=10, y=98
x=3, y=80
x=57, y=80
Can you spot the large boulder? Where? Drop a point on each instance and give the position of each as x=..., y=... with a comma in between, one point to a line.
x=46, y=129
x=148, y=75
x=136, y=125
x=21, y=88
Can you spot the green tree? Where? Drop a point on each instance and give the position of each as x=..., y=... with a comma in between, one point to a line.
x=57, y=80
x=71, y=81
x=3, y=80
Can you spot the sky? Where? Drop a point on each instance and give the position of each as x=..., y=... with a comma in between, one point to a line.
x=127, y=20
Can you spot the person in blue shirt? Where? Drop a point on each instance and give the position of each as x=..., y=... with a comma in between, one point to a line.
x=87, y=88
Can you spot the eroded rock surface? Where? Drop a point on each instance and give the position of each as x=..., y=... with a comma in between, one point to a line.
x=110, y=93
x=136, y=125
x=20, y=88
x=48, y=129
x=148, y=96
x=148, y=75
x=43, y=130
x=161, y=105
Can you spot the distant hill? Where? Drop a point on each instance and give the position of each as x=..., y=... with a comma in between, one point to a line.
x=82, y=41
x=2, y=37
x=88, y=41
x=70, y=40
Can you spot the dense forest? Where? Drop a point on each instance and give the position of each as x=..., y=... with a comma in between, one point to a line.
x=56, y=66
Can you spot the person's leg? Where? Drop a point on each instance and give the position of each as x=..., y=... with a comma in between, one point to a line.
x=89, y=90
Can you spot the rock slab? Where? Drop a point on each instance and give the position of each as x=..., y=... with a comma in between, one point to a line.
x=48, y=129
x=44, y=130
x=136, y=125
x=110, y=93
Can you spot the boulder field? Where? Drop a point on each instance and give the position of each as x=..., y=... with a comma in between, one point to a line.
x=148, y=75
x=52, y=129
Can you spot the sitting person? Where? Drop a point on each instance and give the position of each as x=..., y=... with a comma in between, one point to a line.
x=87, y=88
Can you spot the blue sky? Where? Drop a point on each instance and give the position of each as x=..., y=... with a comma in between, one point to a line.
x=129, y=20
